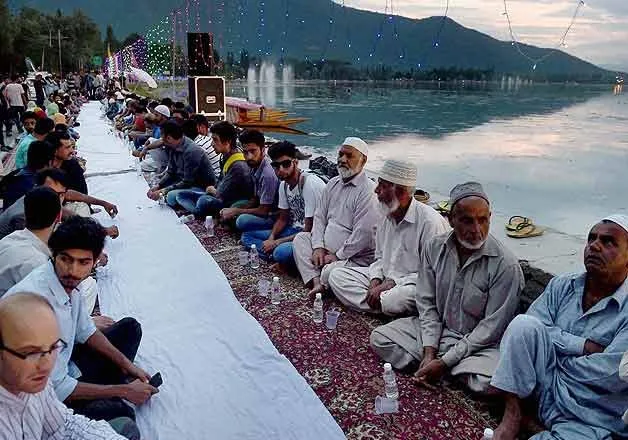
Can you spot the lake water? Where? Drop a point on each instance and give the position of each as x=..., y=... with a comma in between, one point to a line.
x=558, y=154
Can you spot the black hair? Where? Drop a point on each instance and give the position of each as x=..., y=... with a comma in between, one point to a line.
x=144, y=102
x=283, y=148
x=179, y=105
x=56, y=137
x=78, y=232
x=152, y=104
x=61, y=128
x=226, y=131
x=29, y=115
x=41, y=208
x=141, y=109
x=39, y=155
x=200, y=120
x=182, y=112
x=172, y=129
x=189, y=129
x=253, y=137
x=44, y=126
x=167, y=102
x=55, y=174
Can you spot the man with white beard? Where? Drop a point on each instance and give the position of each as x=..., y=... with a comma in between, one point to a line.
x=344, y=221
x=468, y=291
x=389, y=284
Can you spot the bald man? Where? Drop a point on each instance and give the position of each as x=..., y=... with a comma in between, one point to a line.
x=565, y=352
x=343, y=231
x=29, y=343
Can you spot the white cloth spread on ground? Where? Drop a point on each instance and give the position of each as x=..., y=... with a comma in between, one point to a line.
x=223, y=378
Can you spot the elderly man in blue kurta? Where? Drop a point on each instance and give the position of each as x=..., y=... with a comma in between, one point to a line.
x=565, y=353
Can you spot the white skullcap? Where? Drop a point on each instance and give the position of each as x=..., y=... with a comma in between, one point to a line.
x=399, y=172
x=618, y=219
x=163, y=110
x=358, y=144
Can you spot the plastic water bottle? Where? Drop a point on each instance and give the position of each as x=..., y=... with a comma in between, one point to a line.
x=318, y=308
x=186, y=219
x=209, y=225
x=254, y=257
x=488, y=434
x=275, y=291
x=390, y=383
x=138, y=167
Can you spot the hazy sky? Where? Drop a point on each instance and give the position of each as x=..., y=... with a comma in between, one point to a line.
x=600, y=34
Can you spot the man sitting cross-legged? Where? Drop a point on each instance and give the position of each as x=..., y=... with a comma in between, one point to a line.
x=389, y=284
x=564, y=354
x=343, y=229
x=257, y=213
x=92, y=372
x=30, y=342
x=467, y=292
x=299, y=195
x=24, y=250
x=189, y=169
x=235, y=185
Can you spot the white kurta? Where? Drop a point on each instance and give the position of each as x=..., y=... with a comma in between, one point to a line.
x=398, y=251
x=344, y=224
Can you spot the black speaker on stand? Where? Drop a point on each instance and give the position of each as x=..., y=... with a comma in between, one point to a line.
x=206, y=92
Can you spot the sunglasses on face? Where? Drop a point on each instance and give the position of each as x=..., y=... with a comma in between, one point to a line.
x=283, y=164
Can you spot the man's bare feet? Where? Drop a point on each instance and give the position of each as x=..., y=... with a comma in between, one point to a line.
x=317, y=287
x=510, y=425
x=278, y=268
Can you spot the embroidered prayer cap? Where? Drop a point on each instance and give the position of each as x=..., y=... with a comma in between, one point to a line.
x=399, y=172
x=358, y=144
x=618, y=219
x=464, y=190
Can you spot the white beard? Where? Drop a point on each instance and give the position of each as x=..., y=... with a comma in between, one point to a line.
x=389, y=208
x=346, y=173
x=471, y=246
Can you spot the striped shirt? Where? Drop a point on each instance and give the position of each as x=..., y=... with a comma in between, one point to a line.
x=205, y=142
x=42, y=416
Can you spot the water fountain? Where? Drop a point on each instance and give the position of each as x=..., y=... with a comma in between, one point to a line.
x=287, y=80
x=262, y=84
x=251, y=80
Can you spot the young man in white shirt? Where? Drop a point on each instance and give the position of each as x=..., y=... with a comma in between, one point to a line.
x=24, y=250
x=29, y=345
x=299, y=195
x=95, y=372
x=14, y=94
x=204, y=141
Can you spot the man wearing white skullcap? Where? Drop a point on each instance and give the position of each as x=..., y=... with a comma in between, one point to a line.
x=565, y=352
x=467, y=291
x=343, y=228
x=389, y=284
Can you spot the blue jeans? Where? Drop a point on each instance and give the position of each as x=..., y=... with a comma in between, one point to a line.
x=177, y=196
x=206, y=205
x=282, y=254
x=249, y=222
x=187, y=198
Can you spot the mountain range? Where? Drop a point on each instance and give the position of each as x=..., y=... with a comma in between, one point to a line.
x=320, y=29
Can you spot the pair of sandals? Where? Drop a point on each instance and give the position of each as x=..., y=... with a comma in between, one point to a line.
x=522, y=227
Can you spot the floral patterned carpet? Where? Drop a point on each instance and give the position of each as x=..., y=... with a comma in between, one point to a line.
x=339, y=365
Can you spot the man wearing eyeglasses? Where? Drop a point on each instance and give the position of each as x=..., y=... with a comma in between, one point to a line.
x=256, y=214
x=91, y=375
x=29, y=346
x=299, y=195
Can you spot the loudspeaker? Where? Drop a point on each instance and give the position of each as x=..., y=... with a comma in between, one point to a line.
x=207, y=96
x=200, y=54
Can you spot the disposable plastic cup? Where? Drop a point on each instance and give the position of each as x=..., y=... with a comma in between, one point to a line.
x=383, y=405
x=262, y=287
x=243, y=258
x=331, y=320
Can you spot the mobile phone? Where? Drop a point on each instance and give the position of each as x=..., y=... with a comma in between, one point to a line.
x=156, y=380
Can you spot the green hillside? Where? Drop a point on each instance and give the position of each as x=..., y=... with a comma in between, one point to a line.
x=318, y=29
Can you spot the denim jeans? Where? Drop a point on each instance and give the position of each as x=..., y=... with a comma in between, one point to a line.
x=249, y=222
x=179, y=197
x=282, y=254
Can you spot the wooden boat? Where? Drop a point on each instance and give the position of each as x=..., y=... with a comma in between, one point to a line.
x=246, y=114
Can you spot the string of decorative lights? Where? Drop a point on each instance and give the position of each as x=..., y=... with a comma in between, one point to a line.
x=284, y=34
x=330, y=38
x=561, y=42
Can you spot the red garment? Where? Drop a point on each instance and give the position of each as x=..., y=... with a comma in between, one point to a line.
x=139, y=123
